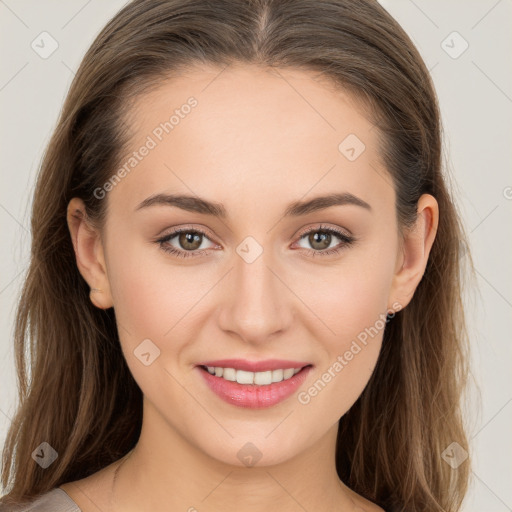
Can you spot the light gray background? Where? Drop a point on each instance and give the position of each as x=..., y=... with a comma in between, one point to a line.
x=475, y=93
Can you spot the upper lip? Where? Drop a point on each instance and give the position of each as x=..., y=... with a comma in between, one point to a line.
x=255, y=366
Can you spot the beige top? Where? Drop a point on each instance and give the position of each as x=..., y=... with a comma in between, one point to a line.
x=55, y=500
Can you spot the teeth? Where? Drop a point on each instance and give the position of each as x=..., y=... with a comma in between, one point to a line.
x=277, y=375
x=288, y=373
x=263, y=378
x=244, y=377
x=229, y=374
x=258, y=378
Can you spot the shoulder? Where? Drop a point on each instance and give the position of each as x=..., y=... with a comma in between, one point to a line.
x=55, y=500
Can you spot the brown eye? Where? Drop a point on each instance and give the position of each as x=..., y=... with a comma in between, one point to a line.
x=190, y=240
x=188, y=243
x=320, y=239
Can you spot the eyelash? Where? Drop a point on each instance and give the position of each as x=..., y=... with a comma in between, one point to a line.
x=346, y=241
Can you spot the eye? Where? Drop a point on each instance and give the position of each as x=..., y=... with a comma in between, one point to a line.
x=189, y=241
x=321, y=237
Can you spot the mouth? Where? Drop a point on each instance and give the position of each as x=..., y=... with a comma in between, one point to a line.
x=254, y=385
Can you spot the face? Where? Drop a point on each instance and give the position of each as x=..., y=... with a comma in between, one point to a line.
x=265, y=272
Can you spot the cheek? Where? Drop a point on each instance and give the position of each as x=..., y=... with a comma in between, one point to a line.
x=151, y=295
x=350, y=353
x=346, y=298
x=137, y=294
x=155, y=299
x=351, y=305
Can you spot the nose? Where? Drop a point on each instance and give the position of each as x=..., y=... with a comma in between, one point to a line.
x=257, y=304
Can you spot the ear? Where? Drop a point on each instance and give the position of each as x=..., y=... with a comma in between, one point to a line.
x=89, y=254
x=415, y=249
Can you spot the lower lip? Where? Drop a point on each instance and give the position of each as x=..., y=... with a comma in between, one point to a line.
x=253, y=396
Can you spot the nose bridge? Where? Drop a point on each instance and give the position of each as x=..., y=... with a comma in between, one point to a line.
x=257, y=306
x=253, y=277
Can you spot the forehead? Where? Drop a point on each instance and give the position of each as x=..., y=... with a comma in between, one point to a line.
x=244, y=130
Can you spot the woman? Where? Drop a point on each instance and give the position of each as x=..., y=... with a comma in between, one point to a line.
x=244, y=289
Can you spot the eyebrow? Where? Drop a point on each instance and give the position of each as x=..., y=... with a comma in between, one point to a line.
x=295, y=209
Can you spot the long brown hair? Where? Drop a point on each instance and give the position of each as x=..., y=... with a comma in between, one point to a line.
x=75, y=389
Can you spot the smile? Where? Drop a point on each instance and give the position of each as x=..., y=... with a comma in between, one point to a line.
x=256, y=385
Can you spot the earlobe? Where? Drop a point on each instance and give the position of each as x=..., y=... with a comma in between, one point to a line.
x=88, y=248
x=415, y=250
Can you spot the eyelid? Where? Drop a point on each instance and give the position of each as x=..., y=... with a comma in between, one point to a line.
x=323, y=227
x=186, y=227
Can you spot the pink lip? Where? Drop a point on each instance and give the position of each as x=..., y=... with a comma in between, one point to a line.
x=255, y=366
x=251, y=395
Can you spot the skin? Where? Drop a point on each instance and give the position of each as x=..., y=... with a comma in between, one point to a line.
x=257, y=141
